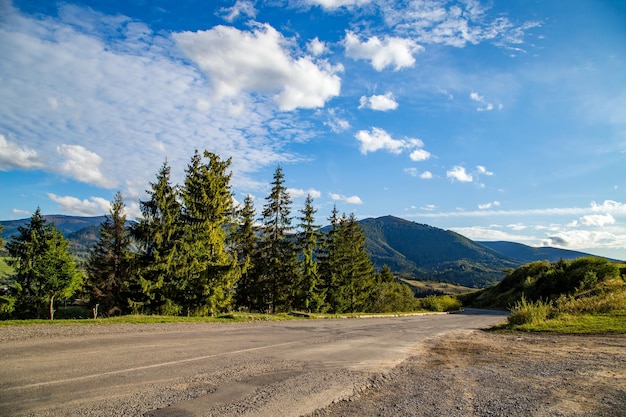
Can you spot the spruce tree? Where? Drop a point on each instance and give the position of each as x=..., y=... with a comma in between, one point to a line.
x=157, y=234
x=245, y=246
x=277, y=255
x=327, y=259
x=45, y=270
x=349, y=271
x=208, y=272
x=109, y=265
x=309, y=292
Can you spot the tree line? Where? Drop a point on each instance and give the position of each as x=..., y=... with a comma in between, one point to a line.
x=193, y=252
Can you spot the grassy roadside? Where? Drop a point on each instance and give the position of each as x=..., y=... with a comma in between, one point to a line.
x=614, y=322
x=222, y=318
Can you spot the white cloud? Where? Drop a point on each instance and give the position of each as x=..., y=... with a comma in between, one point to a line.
x=419, y=155
x=455, y=24
x=335, y=4
x=316, y=47
x=335, y=122
x=426, y=175
x=19, y=211
x=429, y=207
x=378, y=102
x=458, y=173
x=517, y=226
x=83, y=165
x=489, y=205
x=14, y=156
x=485, y=106
x=260, y=61
x=390, y=51
x=241, y=8
x=598, y=220
x=94, y=206
x=378, y=139
x=102, y=76
x=299, y=192
x=411, y=171
x=482, y=170
x=351, y=200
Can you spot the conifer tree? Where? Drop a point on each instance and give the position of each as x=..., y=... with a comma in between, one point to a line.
x=277, y=254
x=208, y=272
x=309, y=292
x=44, y=268
x=109, y=265
x=351, y=272
x=245, y=246
x=327, y=260
x=157, y=235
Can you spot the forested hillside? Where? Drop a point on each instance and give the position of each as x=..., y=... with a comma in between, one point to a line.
x=430, y=253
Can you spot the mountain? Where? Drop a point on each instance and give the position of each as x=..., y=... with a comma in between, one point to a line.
x=528, y=254
x=66, y=224
x=429, y=253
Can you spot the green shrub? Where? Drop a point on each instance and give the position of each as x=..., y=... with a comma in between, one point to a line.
x=440, y=303
x=529, y=312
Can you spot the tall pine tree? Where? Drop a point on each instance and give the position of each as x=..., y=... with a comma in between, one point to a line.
x=245, y=246
x=109, y=266
x=208, y=272
x=310, y=295
x=277, y=256
x=157, y=234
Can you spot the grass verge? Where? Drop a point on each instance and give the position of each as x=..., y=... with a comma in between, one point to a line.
x=614, y=322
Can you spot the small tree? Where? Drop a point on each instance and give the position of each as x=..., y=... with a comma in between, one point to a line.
x=109, y=266
x=45, y=269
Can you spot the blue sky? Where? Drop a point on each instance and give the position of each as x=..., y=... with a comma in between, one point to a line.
x=500, y=120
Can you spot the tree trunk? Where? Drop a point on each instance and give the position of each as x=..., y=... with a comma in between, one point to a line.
x=52, y=307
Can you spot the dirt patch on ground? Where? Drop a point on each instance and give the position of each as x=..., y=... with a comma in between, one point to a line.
x=491, y=374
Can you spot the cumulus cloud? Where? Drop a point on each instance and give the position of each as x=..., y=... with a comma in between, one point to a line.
x=598, y=220
x=14, y=156
x=426, y=175
x=93, y=206
x=350, y=200
x=378, y=139
x=83, y=165
x=299, y=192
x=458, y=173
x=386, y=52
x=383, y=102
x=242, y=8
x=484, y=105
x=260, y=61
x=316, y=47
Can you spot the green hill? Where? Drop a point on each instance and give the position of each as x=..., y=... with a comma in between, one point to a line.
x=429, y=253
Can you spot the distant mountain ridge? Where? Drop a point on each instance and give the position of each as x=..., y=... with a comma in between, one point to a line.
x=408, y=248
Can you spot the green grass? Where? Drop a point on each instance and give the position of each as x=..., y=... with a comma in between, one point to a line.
x=222, y=318
x=614, y=322
x=436, y=287
x=5, y=270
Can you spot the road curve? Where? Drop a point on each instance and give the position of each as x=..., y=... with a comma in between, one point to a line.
x=257, y=369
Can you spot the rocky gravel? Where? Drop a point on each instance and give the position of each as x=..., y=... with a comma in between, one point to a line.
x=489, y=374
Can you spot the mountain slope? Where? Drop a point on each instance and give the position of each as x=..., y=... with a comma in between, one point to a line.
x=66, y=224
x=431, y=253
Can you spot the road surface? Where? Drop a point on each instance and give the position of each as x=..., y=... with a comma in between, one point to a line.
x=258, y=369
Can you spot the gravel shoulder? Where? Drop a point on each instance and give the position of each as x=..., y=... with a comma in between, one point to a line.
x=492, y=374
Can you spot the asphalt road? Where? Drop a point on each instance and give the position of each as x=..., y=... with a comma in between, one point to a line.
x=269, y=368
